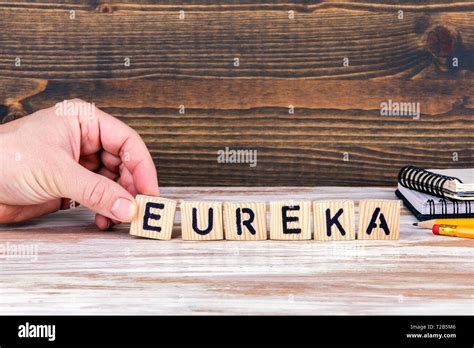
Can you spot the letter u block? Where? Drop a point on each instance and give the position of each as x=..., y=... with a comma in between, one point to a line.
x=379, y=219
x=334, y=220
x=155, y=217
x=290, y=220
x=245, y=221
x=201, y=221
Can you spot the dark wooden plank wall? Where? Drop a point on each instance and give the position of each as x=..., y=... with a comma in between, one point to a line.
x=283, y=62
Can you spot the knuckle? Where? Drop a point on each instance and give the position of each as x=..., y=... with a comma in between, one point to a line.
x=76, y=101
x=95, y=195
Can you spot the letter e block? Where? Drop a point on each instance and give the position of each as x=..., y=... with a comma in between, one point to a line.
x=155, y=217
x=245, y=221
x=201, y=221
x=379, y=219
x=334, y=220
x=290, y=220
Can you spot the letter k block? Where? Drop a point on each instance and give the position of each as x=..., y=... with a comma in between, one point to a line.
x=334, y=220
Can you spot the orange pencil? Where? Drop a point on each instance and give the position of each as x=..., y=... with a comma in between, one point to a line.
x=454, y=231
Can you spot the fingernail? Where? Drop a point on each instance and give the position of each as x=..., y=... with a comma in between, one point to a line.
x=123, y=209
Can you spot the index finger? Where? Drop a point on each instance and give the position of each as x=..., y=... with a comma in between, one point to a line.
x=121, y=140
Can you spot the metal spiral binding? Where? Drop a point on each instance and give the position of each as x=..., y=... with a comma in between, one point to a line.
x=419, y=179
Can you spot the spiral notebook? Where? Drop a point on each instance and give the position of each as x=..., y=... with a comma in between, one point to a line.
x=432, y=198
x=454, y=184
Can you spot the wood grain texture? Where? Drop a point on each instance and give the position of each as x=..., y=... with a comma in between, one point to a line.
x=290, y=220
x=345, y=218
x=258, y=221
x=73, y=268
x=163, y=218
x=268, y=44
x=207, y=220
x=283, y=62
x=307, y=148
x=387, y=219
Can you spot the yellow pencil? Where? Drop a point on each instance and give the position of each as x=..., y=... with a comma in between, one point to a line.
x=454, y=231
x=457, y=222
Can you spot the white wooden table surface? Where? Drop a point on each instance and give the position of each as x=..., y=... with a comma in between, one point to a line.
x=69, y=267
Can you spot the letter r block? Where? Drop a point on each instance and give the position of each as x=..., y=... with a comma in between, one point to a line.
x=201, y=221
x=245, y=221
x=155, y=217
x=379, y=219
x=290, y=220
x=334, y=220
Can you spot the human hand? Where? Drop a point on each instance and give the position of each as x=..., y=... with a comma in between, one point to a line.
x=74, y=152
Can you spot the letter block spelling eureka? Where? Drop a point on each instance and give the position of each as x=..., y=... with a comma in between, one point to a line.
x=201, y=220
x=379, y=219
x=155, y=217
x=245, y=221
x=290, y=220
x=334, y=220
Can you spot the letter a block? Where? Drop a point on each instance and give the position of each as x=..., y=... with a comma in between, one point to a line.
x=201, y=221
x=245, y=221
x=379, y=219
x=290, y=220
x=155, y=217
x=334, y=220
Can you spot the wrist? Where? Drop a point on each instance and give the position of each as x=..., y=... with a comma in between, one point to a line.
x=8, y=160
x=4, y=153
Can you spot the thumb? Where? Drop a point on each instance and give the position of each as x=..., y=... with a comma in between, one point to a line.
x=97, y=193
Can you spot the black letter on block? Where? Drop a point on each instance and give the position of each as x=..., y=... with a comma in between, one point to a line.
x=383, y=223
x=247, y=223
x=334, y=221
x=209, y=225
x=286, y=219
x=150, y=215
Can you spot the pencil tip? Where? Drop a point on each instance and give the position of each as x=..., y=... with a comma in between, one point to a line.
x=415, y=224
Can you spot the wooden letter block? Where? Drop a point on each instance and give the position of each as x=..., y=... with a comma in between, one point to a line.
x=334, y=220
x=201, y=220
x=290, y=220
x=245, y=221
x=155, y=217
x=379, y=219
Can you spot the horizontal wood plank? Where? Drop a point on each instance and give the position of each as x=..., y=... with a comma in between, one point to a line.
x=220, y=5
x=335, y=137
x=435, y=96
x=205, y=44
